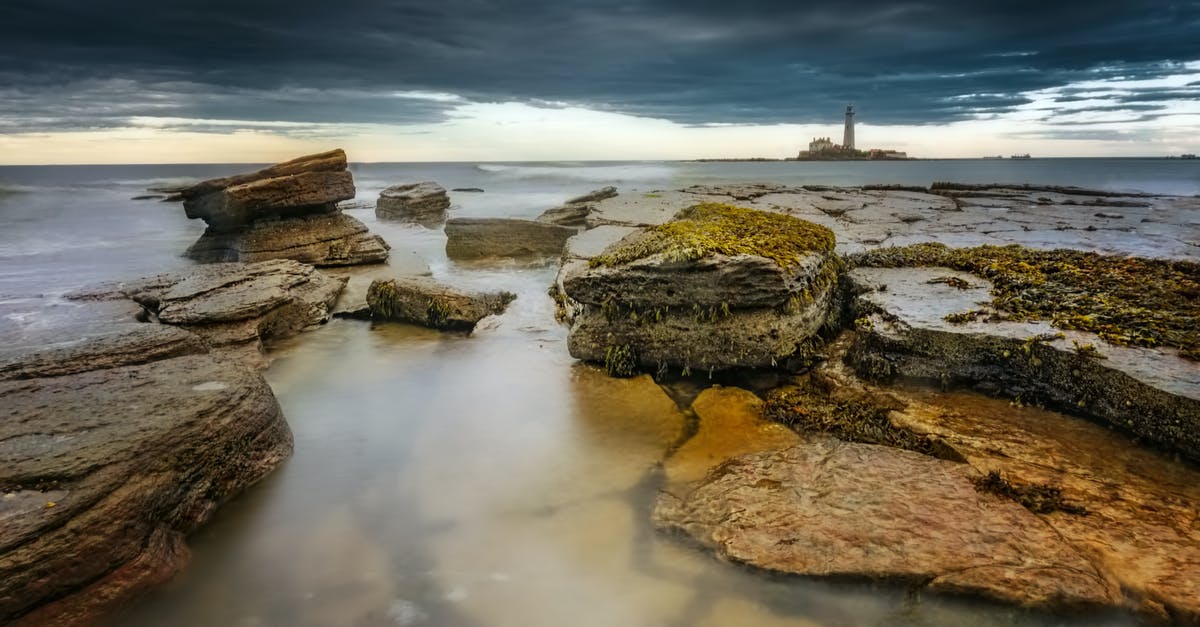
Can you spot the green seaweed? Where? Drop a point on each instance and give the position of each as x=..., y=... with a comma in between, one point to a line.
x=1128, y=301
x=715, y=228
x=860, y=418
x=619, y=361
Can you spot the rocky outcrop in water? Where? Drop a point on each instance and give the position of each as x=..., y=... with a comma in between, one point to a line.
x=719, y=287
x=424, y=203
x=233, y=307
x=286, y=211
x=575, y=211
x=115, y=443
x=912, y=324
x=429, y=303
x=477, y=238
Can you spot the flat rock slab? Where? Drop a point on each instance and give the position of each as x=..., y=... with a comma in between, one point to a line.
x=109, y=461
x=332, y=239
x=1152, y=393
x=831, y=508
x=576, y=210
x=233, y=306
x=423, y=301
x=474, y=238
x=309, y=184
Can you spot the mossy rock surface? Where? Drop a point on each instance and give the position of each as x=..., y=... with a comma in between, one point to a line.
x=715, y=228
x=1128, y=301
x=431, y=304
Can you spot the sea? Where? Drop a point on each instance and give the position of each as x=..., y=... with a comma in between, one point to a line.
x=485, y=480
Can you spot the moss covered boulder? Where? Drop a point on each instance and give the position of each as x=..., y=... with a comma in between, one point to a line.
x=717, y=287
x=429, y=303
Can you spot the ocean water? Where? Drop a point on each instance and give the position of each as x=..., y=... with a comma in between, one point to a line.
x=448, y=480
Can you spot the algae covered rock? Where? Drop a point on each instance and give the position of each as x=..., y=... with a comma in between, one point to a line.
x=429, y=303
x=717, y=287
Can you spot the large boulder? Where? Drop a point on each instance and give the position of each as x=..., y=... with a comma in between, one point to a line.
x=333, y=239
x=428, y=303
x=309, y=184
x=423, y=203
x=718, y=287
x=475, y=238
x=287, y=211
x=115, y=444
x=235, y=306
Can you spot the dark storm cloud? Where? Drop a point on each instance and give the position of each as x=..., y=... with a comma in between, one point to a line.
x=81, y=63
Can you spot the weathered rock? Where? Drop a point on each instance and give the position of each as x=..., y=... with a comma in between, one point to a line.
x=309, y=184
x=114, y=445
x=424, y=203
x=287, y=211
x=1129, y=509
x=474, y=238
x=428, y=303
x=711, y=281
x=352, y=303
x=474, y=190
x=719, y=287
x=576, y=210
x=1152, y=393
x=234, y=307
x=334, y=239
x=700, y=341
x=831, y=508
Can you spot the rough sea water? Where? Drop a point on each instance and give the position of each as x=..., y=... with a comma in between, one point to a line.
x=488, y=480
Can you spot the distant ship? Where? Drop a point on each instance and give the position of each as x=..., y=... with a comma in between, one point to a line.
x=1024, y=156
x=1187, y=155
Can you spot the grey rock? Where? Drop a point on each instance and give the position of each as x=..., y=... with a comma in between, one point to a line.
x=576, y=210
x=429, y=303
x=114, y=446
x=423, y=203
x=334, y=239
x=593, y=196
x=474, y=238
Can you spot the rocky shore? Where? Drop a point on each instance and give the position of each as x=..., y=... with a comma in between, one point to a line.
x=967, y=418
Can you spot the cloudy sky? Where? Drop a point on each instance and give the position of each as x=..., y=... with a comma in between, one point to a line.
x=91, y=81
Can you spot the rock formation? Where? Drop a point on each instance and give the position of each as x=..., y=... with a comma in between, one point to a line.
x=575, y=211
x=428, y=303
x=234, y=306
x=286, y=211
x=424, y=203
x=476, y=238
x=115, y=443
x=718, y=287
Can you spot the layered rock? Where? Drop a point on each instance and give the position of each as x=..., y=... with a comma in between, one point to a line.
x=234, y=307
x=839, y=509
x=476, y=238
x=424, y=203
x=286, y=211
x=719, y=287
x=906, y=330
x=115, y=443
x=575, y=211
x=429, y=303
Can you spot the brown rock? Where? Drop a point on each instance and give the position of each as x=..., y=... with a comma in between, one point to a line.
x=473, y=238
x=831, y=508
x=107, y=465
x=423, y=203
x=322, y=240
x=429, y=303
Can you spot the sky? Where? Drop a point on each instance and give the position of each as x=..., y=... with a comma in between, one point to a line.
x=147, y=81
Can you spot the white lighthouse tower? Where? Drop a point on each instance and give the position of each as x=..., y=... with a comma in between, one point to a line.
x=848, y=136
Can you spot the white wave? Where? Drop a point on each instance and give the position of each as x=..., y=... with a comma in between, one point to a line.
x=576, y=171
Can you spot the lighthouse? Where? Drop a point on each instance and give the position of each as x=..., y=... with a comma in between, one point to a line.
x=848, y=136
